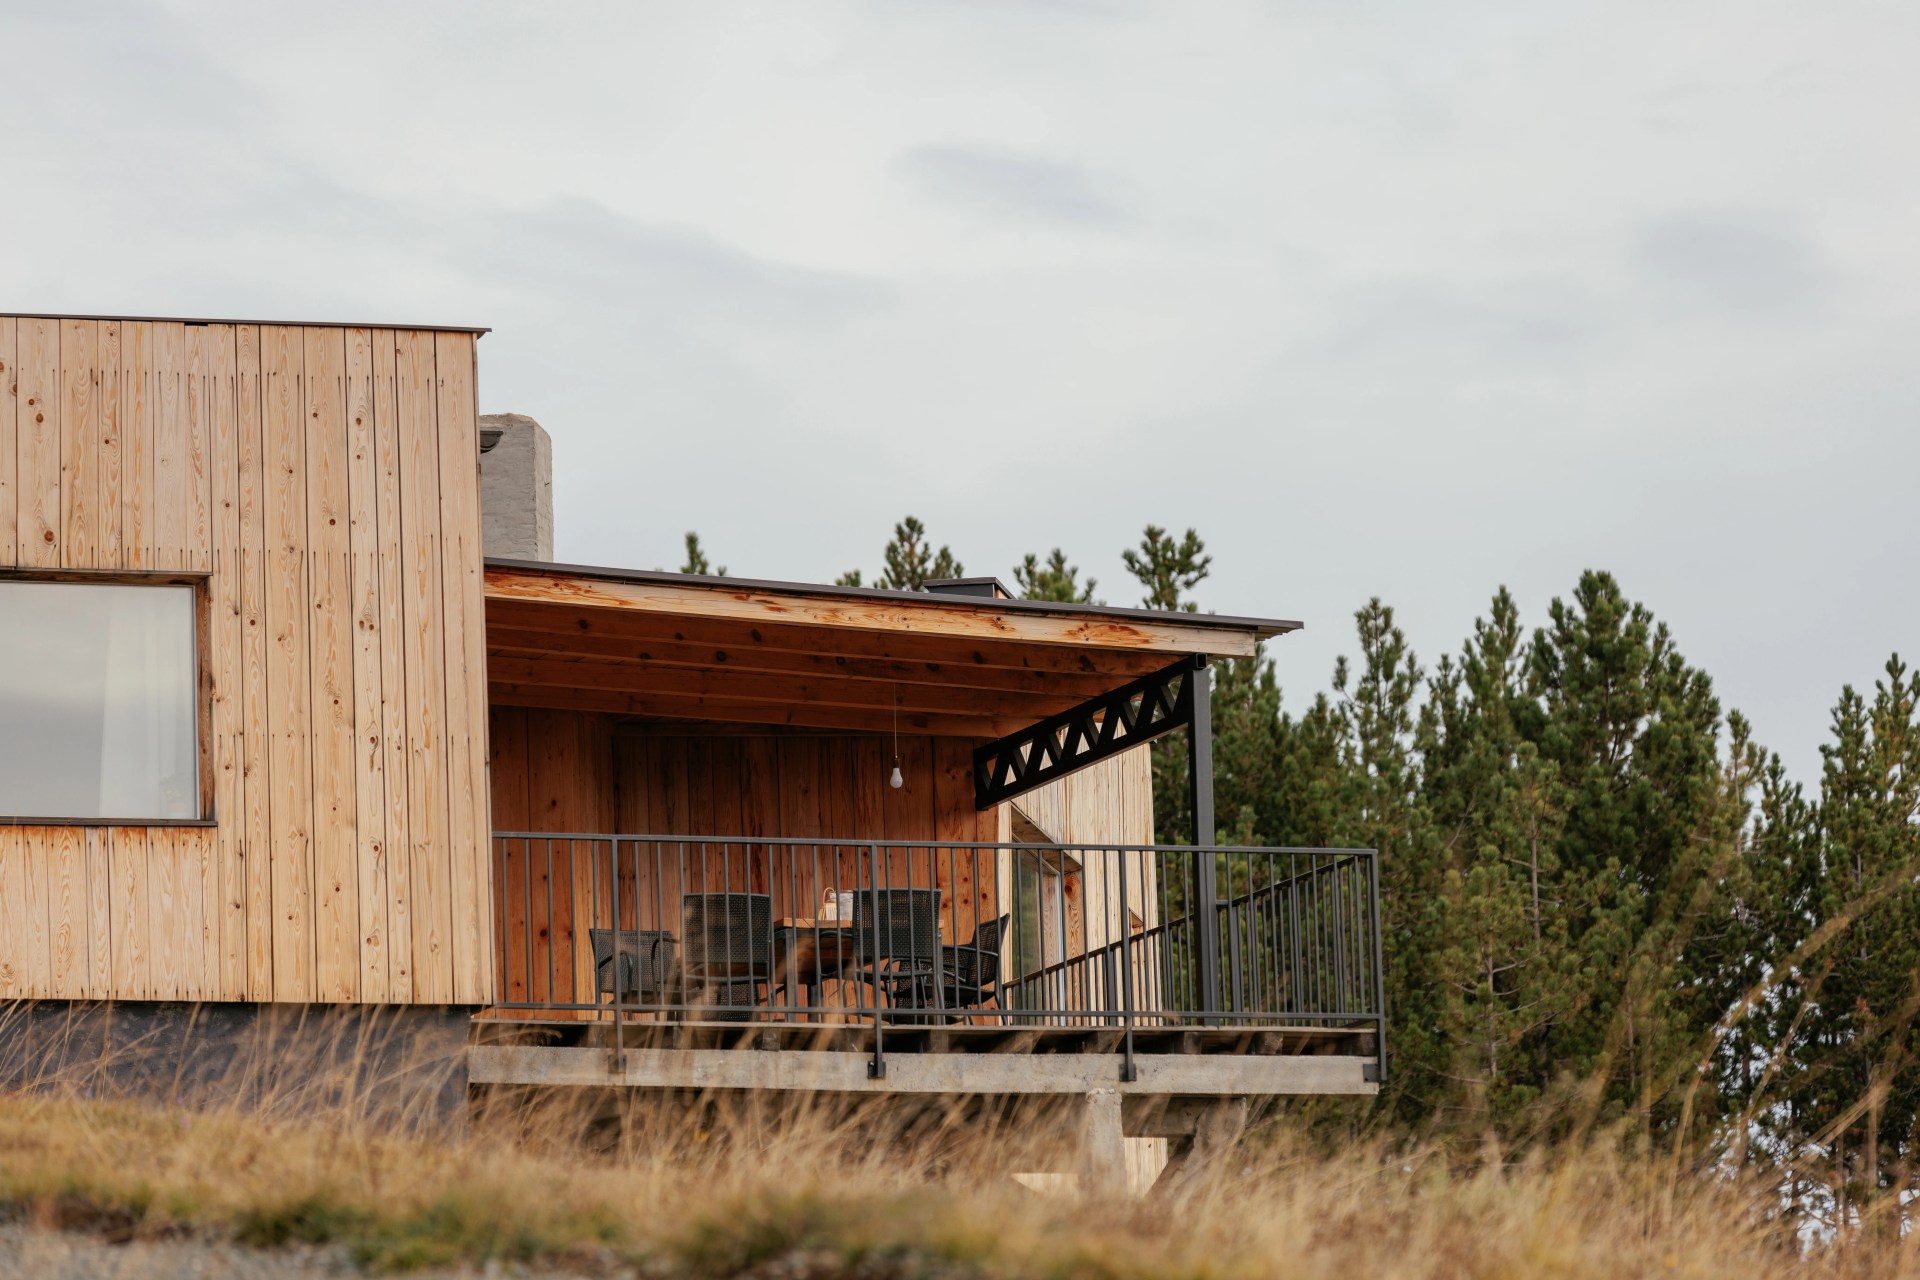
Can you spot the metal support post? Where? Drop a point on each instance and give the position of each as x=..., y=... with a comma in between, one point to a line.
x=1128, y=1071
x=877, y=1065
x=1379, y=969
x=1206, y=891
x=617, y=1061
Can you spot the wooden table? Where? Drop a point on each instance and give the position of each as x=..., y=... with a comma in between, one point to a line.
x=819, y=947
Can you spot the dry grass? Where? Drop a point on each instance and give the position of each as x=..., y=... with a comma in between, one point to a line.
x=694, y=1191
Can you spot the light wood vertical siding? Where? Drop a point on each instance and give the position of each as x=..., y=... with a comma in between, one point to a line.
x=1109, y=803
x=322, y=484
x=9, y=435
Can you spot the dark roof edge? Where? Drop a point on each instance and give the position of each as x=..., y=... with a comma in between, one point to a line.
x=1263, y=628
x=288, y=324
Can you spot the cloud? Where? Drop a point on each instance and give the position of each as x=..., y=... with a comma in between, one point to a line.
x=1005, y=185
x=1731, y=261
x=1502, y=328
x=583, y=251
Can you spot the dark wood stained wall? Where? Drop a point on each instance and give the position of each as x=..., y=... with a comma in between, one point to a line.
x=573, y=772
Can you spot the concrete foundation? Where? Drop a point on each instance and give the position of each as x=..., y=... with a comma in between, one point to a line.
x=403, y=1063
x=1162, y=1075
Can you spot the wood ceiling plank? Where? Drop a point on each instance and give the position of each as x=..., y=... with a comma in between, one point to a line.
x=639, y=677
x=931, y=652
x=517, y=642
x=696, y=707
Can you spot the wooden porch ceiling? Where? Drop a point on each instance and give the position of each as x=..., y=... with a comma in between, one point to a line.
x=673, y=647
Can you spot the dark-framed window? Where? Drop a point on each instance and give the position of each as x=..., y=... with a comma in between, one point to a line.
x=100, y=706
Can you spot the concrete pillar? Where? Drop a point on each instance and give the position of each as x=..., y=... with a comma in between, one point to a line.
x=1217, y=1127
x=516, y=487
x=1103, y=1145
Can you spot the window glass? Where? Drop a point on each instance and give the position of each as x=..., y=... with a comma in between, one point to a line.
x=1040, y=912
x=97, y=710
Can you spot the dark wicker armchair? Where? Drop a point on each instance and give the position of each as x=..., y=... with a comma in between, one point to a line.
x=728, y=940
x=632, y=965
x=896, y=941
x=971, y=971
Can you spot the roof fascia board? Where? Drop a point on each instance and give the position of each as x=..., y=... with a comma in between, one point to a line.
x=281, y=324
x=870, y=609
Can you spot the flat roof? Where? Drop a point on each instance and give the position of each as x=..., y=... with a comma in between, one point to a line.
x=674, y=647
x=289, y=324
x=1263, y=628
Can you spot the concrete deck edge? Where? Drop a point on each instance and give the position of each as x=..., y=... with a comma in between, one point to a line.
x=701, y=1069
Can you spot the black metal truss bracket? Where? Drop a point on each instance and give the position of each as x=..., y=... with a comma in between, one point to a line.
x=1087, y=734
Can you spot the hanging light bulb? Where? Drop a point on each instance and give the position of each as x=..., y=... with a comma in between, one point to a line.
x=896, y=781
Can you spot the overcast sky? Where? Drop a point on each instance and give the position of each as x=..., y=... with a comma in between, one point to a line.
x=1408, y=300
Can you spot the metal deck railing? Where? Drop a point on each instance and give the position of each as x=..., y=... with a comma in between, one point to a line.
x=886, y=934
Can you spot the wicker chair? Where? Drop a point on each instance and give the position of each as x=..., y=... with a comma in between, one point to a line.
x=971, y=971
x=632, y=965
x=728, y=939
x=896, y=940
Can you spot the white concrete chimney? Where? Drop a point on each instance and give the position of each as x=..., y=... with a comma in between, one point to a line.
x=516, y=487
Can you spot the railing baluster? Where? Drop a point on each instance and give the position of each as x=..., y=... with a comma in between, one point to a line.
x=552, y=940
x=1339, y=1001
x=1236, y=999
x=877, y=1067
x=619, y=1061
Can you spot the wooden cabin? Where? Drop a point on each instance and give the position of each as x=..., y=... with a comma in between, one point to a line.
x=274, y=729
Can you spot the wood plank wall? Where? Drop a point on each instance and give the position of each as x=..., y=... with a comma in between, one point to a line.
x=325, y=482
x=1110, y=802
x=569, y=771
x=575, y=772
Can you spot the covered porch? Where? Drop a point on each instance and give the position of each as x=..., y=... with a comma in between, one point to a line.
x=761, y=835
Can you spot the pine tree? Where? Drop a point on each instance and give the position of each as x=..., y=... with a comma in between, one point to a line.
x=697, y=562
x=1632, y=733
x=1169, y=570
x=910, y=561
x=1501, y=957
x=1056, y=580
x=1858, y=1086
x=1250, y=750
x=1377, y=805
x=1758, y=1062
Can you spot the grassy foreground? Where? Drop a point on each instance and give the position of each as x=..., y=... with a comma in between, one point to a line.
x=802, y=1199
